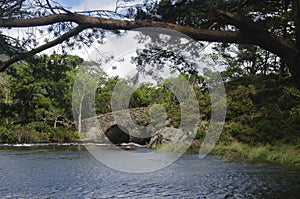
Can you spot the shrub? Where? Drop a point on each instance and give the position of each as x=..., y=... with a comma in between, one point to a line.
x=242, y=132
x=64, y=135
x=41, y=127
x=6, y=136
x=28, y=134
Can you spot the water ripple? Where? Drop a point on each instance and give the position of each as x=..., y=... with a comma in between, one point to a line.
x=71, y=172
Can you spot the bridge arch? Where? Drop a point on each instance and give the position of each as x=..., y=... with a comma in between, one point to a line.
x=105, y=127
x=117, y=134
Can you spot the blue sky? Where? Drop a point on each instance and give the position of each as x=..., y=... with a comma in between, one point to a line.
x=70, y=3
x=80, y=5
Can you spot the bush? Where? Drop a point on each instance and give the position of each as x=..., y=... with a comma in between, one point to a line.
x=242, y=132
x=64, y=135
x=6, y=136
x=41, y=127
x=28, y=134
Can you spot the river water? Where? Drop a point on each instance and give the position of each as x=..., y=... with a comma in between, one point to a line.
x=72, y=172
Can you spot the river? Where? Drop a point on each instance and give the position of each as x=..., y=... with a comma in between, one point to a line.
x=72, y=172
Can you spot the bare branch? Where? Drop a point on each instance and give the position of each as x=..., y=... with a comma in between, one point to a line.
x=51, y=8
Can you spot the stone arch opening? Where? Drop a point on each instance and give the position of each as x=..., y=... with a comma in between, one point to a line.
x=118, y=134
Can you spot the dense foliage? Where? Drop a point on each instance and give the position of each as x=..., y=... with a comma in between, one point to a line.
x=36, y=102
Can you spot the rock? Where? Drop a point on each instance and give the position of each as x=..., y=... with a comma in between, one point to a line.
x=166, y=135
x=156, y=139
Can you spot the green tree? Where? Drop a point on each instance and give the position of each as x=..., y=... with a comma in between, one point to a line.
x=5, y=99
x=41, y=89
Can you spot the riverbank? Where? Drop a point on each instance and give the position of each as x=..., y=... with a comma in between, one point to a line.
x=286, y=154
x=279, y=153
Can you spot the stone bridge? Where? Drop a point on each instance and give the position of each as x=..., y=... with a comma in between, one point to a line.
x=118, y=127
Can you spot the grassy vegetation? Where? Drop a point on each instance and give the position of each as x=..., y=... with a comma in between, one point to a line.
x=37, y=134
x=278, y=153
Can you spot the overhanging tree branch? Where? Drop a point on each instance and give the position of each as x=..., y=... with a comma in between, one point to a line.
x=264, y=39
x=4, y=65
x=261, y=36
x=248, y=33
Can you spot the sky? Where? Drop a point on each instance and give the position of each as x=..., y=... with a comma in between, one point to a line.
x=70, y=3
x=79, y=5
x=92, y=5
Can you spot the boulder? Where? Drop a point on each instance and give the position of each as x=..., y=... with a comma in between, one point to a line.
x=166, y=135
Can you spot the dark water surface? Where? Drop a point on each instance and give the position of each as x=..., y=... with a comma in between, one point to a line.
x=71, y=172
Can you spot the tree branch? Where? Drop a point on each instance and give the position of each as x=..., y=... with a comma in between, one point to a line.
x=261, y=36
x=112, y=24
x=239, y=6
x=4, y=65
x=296, y=13
x=250, y=33
x=51, y=8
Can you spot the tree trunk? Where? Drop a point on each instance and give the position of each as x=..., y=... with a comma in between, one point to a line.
x=55, y=123
x=295, y=67
x=295, y=71
x=80, y=114
x=79, y=118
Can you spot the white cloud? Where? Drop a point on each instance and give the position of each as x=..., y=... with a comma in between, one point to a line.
x=95, y=5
